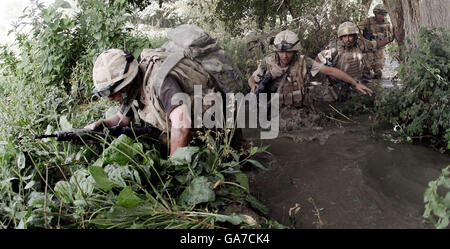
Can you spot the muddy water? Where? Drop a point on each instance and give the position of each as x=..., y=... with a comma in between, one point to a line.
x=345, y=177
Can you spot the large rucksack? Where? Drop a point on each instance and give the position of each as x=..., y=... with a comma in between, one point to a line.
x=190, y=41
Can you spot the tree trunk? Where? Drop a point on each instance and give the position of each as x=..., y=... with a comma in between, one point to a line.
x=408, y=16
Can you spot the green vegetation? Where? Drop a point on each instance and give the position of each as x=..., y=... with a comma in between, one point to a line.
x=437, y=208
x=122, y=183
x=419, y=108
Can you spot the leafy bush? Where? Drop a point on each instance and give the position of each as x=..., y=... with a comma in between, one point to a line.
x=419, y=107
x=437, y=208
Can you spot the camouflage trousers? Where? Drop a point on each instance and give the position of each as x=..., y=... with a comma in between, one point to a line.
x=375, y=62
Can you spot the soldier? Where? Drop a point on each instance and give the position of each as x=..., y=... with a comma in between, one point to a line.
x=146, y=90
x=377, y=28
x=290, y=72
x=118, y=77
x=347, y=54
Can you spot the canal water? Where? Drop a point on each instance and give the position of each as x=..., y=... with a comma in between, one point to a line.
x=345, y=176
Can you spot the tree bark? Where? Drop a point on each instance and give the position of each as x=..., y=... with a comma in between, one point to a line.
x=408, y=16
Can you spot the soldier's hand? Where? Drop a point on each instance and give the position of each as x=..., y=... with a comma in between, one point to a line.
x=94, y=126
x=363, y=89
x=253, y=88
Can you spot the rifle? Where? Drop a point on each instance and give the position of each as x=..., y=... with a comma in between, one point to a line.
x=368, y=34
x=264, y=84
x=92, y=136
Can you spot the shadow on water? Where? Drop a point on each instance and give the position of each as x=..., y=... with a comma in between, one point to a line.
x=346, y=177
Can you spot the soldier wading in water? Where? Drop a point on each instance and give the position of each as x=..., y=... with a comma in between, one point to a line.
x=290, y=74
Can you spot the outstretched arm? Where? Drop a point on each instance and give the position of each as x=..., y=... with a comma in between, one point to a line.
x=109, y=122
x=341, y=75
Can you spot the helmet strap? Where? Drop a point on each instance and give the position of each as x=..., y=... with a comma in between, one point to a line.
x=130, y=95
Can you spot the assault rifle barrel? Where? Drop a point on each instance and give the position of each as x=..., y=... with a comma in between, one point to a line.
x=86, y=134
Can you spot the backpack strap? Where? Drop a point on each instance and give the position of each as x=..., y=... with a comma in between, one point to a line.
x=165, y=68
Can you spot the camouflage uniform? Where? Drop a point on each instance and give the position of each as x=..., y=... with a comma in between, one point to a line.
x=291, y=82
x=375, y=31
x=294, y=91
x=351, y=60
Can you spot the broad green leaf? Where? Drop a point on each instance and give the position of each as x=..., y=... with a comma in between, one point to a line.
x=428, y=195
x=29, y=185
x=101, y=178
x=64, y=123
x=85, y=183
x=80, y=203
x=199, y=191
x=121, y=151
x=61, y=4
x=257, y=164
x=181, y=178
x=447, y=200
x=120, y=174
x=184, y=154
x=127, y=198
x=443, y=223
x=36, y=199
x=233, y=219
x=242, y=179
x=64, y=190
x=20, y=160
x=439, y=209
x=255, y=150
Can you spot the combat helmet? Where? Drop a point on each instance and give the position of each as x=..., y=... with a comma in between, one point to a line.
x=347, y=28
x=380, y=9
x=113, y=70
x=251, y=36
x=287, y=41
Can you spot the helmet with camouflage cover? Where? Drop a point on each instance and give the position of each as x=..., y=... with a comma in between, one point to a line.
x=113, y=70
x=287, y=41
x=251, y=36
x=347, y=28
x=380, y=9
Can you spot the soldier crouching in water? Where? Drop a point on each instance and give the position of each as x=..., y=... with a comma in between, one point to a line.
x=291, y=72
x=348, y=55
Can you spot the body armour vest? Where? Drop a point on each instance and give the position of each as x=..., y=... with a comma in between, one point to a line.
x=379, y=30
x=351, y=60
x=292, y=91
x=188, y=73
